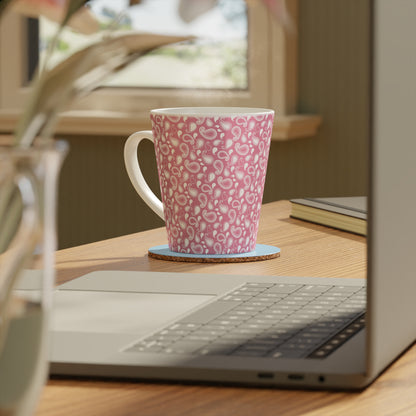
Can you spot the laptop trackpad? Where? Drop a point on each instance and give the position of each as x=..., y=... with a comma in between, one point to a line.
x=119, y=312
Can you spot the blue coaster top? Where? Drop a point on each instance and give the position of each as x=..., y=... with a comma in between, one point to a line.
x=261, y=252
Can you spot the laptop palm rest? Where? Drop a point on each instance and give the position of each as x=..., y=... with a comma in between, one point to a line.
x=118, y=312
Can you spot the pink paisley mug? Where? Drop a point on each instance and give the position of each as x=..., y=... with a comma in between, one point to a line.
x=212, y=164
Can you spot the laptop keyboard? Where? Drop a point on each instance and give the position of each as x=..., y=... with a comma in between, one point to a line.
x=266, y=320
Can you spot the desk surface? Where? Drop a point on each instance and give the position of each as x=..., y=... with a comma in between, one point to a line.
x=306, y=250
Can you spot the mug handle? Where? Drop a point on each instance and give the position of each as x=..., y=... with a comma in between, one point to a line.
x=135, y=174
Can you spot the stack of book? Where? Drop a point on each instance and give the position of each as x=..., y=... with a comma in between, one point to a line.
x=344, y=213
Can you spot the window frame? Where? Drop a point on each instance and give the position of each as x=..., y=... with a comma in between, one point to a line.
x=272, y=81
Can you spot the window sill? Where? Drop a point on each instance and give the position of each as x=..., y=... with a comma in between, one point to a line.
x=120, y=124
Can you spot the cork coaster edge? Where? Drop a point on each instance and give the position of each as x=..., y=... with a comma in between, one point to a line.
x=222, y=259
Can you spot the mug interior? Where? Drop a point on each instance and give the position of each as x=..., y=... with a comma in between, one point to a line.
x=212, y=111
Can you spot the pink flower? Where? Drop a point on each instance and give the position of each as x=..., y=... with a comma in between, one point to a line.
x=53, y=9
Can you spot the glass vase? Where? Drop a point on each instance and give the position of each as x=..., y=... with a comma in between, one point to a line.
x=28, y=195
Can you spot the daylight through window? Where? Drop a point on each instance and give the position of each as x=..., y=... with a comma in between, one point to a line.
x=216, y=59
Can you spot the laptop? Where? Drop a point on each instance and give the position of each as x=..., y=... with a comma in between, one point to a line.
x=271, y=330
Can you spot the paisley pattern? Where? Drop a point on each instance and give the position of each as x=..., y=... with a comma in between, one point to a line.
x=212, y=172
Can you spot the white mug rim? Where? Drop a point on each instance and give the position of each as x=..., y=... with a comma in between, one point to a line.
x=212, y=111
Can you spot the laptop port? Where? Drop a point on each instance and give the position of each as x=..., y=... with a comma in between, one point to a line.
x=296, y=377
x=265, y=375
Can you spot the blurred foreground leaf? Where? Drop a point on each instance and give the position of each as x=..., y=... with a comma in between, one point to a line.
x=78, y=75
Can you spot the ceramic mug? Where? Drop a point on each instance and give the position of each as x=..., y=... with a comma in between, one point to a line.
x=212, y=164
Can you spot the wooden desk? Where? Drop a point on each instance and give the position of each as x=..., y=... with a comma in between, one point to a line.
x=307, y=250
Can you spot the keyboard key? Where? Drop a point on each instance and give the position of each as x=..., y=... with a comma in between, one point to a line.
x=209, y=312
x=275, y=296
x=344, y=289
x=216, y=349
x=315, y=289
x=258, y=284
x=283, y=288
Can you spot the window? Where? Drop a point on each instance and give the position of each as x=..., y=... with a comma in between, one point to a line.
x=216, y=59
x=265, y=76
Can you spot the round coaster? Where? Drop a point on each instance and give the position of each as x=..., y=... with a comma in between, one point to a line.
x=261, y=252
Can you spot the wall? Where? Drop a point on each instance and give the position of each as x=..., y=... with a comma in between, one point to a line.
x=333, y=82
x=97, y=200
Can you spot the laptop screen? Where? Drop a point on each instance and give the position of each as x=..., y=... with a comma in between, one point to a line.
x=392, y=282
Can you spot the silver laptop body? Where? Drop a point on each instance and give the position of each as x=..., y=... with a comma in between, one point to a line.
x=104, y=322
